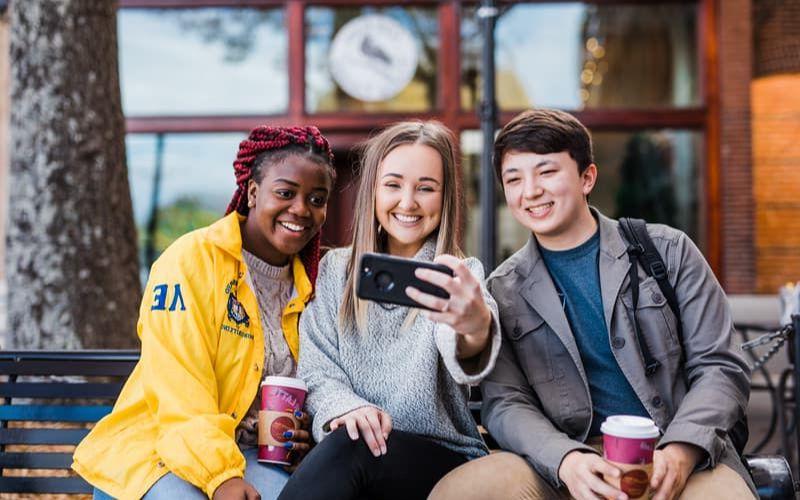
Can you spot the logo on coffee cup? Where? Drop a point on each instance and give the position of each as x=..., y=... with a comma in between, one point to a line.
x=634, y=483
x=279, y=426
x=285, y=396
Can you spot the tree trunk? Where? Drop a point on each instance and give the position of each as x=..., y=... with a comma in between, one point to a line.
x=71, y=260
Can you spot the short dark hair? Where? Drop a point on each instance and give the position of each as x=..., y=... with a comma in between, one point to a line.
x=266, y=145
x=544, y=131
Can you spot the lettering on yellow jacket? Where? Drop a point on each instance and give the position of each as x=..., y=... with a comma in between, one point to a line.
x=201, y=366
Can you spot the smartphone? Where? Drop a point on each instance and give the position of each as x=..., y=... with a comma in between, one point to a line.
x=384, y=278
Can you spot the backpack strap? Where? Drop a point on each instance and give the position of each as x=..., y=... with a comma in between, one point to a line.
x=641, y=250
x=635, y=250
x=635, y=231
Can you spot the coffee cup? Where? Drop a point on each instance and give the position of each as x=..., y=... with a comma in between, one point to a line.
x=628, y=444
x=281, y=397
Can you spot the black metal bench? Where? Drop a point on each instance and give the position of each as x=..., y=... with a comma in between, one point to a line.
x=50, y=400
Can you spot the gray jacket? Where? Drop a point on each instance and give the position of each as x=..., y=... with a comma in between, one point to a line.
x=537, y=402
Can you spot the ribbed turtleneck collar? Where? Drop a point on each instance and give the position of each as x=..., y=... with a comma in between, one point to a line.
x=265, y=270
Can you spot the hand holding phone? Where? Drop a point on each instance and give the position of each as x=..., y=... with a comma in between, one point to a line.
x=465, y=311
x=385, y=278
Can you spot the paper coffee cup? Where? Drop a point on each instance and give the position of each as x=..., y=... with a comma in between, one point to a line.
x=280, y=398
x=629, y=443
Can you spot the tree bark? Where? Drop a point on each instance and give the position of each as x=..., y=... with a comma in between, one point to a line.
x=71, y=258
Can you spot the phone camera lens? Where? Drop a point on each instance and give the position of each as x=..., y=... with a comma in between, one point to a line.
x=384, y=281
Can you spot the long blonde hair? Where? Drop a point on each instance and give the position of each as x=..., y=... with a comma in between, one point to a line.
x=366, y=237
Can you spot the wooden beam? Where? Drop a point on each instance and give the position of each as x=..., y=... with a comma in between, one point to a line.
x=690, y=118
x=612, y=119
x=295, y=25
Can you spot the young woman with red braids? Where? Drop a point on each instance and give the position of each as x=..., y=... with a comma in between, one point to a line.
x=220, y=312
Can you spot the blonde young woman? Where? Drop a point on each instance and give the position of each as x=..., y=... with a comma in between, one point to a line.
x=388, y=384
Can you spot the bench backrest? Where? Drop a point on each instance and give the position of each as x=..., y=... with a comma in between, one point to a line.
x=50, y=399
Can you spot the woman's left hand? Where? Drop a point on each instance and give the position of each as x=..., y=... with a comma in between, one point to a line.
x=465, y=311
x=299, y=440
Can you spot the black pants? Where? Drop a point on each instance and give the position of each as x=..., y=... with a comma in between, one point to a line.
x=342, y=469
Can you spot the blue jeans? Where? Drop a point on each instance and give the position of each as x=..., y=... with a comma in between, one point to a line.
x=266, y=478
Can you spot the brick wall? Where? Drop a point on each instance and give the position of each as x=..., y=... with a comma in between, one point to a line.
x=776, y=37
x=776, y=142
x=776, y=176
x=776, y=169
x=735, y=160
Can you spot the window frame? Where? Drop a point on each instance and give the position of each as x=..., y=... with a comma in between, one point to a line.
x=344, y=129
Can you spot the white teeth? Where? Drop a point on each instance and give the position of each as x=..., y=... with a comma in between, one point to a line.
x=407, y=218
x=292, y=227
x=540, y=209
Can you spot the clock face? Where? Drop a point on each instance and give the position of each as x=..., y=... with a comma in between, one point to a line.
x=373, y=58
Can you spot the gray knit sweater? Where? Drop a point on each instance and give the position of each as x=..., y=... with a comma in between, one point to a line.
x=411, y=374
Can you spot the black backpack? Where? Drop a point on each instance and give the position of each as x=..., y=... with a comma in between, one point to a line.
x=641, y=250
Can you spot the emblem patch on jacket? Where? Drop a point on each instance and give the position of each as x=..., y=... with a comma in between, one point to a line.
x=236, y=312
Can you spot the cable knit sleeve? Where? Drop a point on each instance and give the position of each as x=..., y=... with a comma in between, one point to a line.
x=331, y=393
x=470, y=371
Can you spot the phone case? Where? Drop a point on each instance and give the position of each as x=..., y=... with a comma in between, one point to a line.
x=384, y=278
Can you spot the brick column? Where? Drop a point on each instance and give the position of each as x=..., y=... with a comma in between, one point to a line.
x=776, y=129
x=735, y=166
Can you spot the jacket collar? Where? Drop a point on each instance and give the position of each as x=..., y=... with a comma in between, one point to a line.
x=539, y=291
x=611, y=244
x=227, y=234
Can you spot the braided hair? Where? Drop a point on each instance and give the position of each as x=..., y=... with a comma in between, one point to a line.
x=268, y=145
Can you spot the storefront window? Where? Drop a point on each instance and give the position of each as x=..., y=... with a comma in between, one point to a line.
x=204, y=61
x=406, y=52
x=581, y=55
x=195, y=186
x=652, y=174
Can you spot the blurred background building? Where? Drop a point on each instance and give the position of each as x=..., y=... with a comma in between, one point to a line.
x=694, y=106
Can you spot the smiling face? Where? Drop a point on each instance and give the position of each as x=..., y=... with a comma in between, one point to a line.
x=287, y=208
x=408, y=197
x=547, y=195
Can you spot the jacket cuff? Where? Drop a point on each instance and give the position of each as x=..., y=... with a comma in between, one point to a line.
x=217, y=480
x=702, y=436
x=553, y=453
x=468, y=371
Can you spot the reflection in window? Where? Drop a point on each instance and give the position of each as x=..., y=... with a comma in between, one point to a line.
x=195, y=185
x=651, y=174
x=203, y=61
x=322, y=92
x=576, y=55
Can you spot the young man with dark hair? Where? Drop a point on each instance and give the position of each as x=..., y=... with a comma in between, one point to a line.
x=571, y=355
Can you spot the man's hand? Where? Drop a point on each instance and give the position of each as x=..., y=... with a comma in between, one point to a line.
x=672, y=467
x=236, y=488
x=374, y=425
x=582, y=473
x=299, y=442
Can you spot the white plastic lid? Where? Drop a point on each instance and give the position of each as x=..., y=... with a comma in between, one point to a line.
x=294, y=383
x=629, y=426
